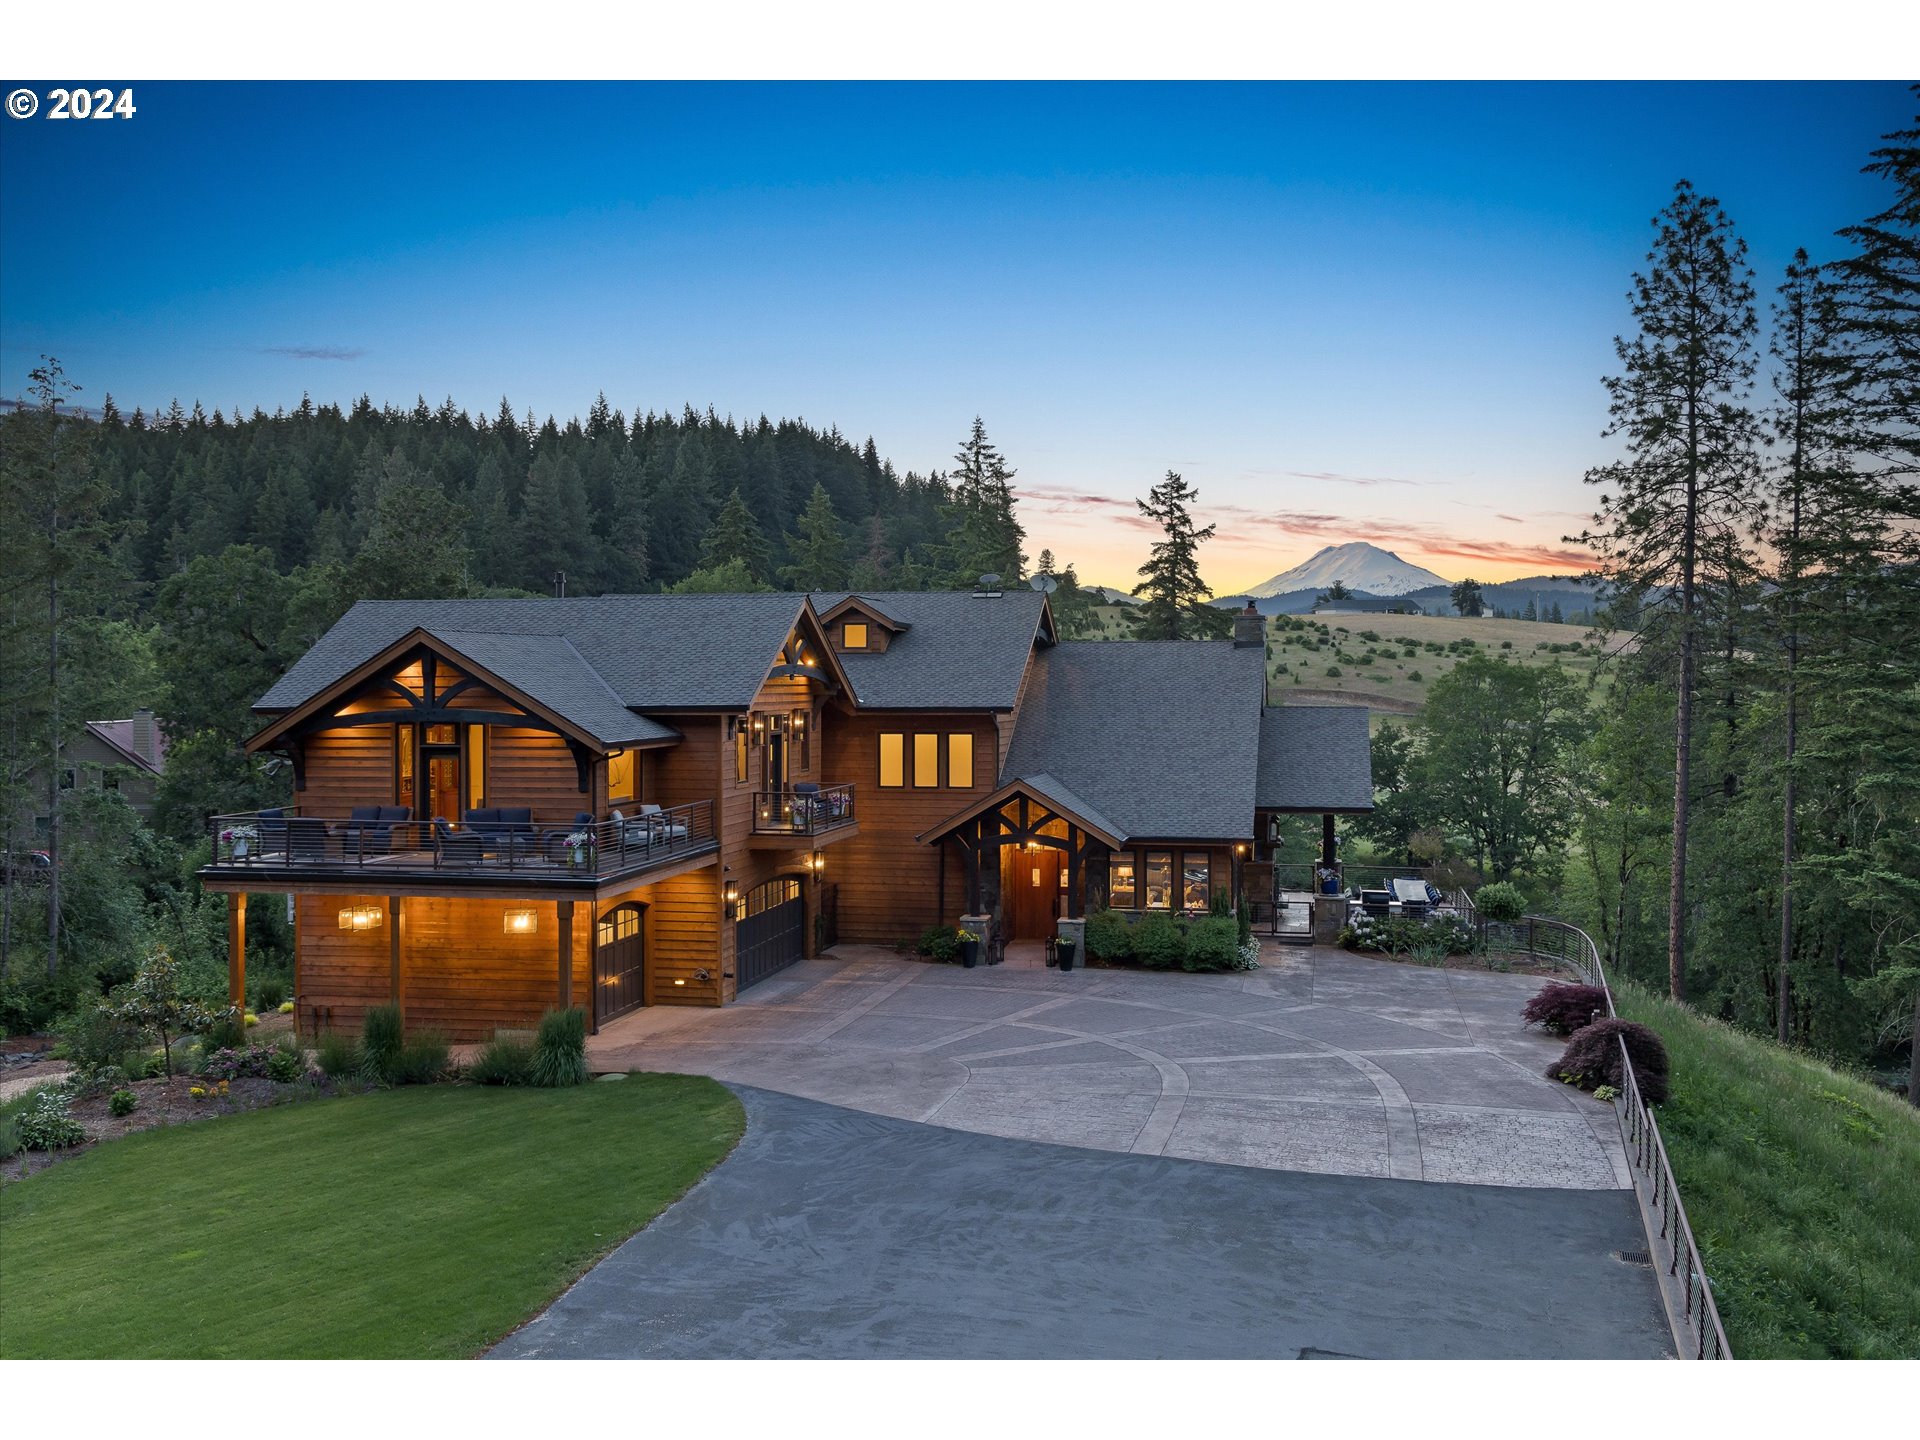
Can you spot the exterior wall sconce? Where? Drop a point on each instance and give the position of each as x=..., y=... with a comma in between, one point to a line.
x=362, y=917
x=524, y=920
x=730, y=897
x=799, y=722
x=1241, y=850
x=818, y=861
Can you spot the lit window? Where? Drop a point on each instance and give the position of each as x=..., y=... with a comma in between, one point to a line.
x=740, y=753
x=1196, y=879
x=960, y=761
x=853, y=636
x=476, y=766
x=620, y=775
x=1159, y=879
x=403, y=765
x=926, y=762
x=1122, y=888
x=893, y=761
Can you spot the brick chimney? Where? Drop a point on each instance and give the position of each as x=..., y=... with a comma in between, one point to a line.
x=1249, y=628
x=146, y=738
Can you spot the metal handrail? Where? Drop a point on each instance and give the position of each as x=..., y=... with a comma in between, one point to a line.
x=1685, y=1290
x=790, y=811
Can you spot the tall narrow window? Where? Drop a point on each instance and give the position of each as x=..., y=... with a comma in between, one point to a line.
x=476, y=766
x=403, y=765
x=740, y=750
x=802, y=731
x=893, y=761
x=1123, y=891
x=1196, y=879
x=1159, y=879
x=960, y=761
x=853, y=636
x=926, y=762
x=620, y=775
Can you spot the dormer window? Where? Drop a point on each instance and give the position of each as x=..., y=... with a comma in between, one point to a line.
x=853, y=635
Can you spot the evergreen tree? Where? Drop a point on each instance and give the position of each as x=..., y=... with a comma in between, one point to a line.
x=734, y=536
x=730, y=577
x=987, y=537
x=1680, y=405
x=1175, y=607
x=819, y=550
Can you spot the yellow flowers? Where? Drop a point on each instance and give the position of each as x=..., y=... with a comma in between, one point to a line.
x=249, y=1018
x=198, y=1092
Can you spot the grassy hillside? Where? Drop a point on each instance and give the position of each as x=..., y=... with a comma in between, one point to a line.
x=1371, y=652
x=1803, y=1188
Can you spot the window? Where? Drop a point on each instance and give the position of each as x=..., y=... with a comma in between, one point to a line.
x=1123, y=891
x=67, y=778
x=765, y=896
x=620, y=772
x=802, y=731
x=1159, y=879
x=622, y=924
x=960, y=761
x=403, y=765
x=853, y=636
x=926, y=762
x=740, y=751
x=476, y=766
x=893, y=761
x=1196, y=879
x=442, y=735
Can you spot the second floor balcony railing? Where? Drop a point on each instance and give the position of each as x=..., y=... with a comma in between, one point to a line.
x=377, y=840
x=802, y=809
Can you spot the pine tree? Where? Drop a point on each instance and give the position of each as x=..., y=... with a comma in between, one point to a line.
x=735, y=536
x=987, y=535
x=1680, y=404
x=1175, y=607
x=819, y=550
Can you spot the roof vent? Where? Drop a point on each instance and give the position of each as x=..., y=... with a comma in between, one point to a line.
x=989, y=588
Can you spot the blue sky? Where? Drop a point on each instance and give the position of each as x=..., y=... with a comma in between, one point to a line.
x=1343, y=311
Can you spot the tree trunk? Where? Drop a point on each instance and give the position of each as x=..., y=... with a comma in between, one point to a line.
x=1682, y=764
x=1787, y=838
x=1913, y=1057
x=53, y=769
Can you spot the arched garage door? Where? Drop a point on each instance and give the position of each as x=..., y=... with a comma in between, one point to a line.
x=770, y=934
x=620, y=972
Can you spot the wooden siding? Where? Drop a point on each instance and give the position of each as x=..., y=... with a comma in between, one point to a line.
x=682, y=933
x=534, y=767
x=888, y=883
x=345, y=768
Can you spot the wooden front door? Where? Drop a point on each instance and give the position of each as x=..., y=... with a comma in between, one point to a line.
x=1030, y=891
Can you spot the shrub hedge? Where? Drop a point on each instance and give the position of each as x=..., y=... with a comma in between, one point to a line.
x=1563, y=1009
x=1592, y=1059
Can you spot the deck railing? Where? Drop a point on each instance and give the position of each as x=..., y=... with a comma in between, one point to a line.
x=796, y=811
x=1684, y=1287
x=291, y=839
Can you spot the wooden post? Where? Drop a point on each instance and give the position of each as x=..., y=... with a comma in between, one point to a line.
x=396, y=983
x=593, y=968
x=1326, y=841
x=566, y=954
x=237, y=949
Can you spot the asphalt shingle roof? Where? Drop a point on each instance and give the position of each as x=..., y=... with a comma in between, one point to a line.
x=596, y=660
x=963, y=652
x=1162, y=738
x=1315, y=757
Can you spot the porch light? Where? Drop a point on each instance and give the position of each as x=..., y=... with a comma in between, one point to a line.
x=759, y=723
x=679, y=982
x=1240, y=849
x=362, y=917
x=819, y=861
x=523, y=920
x=730, y=895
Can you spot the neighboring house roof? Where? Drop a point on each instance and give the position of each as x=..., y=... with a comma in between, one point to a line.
x=955, y=650
x=597, y=661
x=1315, y=757
x=121, y=737
x=1159, y=737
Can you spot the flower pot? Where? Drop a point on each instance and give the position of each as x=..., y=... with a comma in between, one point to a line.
x=239, y=849
x=969, y=953
x=1065, y=949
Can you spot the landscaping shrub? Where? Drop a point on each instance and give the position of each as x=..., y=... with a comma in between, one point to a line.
x=338, y=1055
x=1243, y=922
x=1109, y=936
x=226, y=1031
x=941, y=942
x=425, y=1058
x=383, y=1036
x=1159, y=943
x=560, y=1049
x=94, y=1038
x=46, y=1124
x=1563, y=1009
x=505, y=1060
x=1592, y=1058
x=123, y=1102
x=1500, y=901
x=269, y=992
x=286, y=1063
x=1213, y=944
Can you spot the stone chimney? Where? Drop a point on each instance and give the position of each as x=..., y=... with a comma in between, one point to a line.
x=146, y=738
x=1249, y=628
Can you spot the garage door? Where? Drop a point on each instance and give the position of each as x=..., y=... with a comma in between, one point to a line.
x=620, y=983
x=769, y=935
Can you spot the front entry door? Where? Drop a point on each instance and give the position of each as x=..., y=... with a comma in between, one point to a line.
x=1030, y=891
x=619, y=979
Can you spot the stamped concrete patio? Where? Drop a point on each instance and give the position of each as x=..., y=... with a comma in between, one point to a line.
x=1319, y=1061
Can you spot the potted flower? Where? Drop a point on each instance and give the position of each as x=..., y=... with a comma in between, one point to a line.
x=238, y=839
x=1063, y=949
x=579, y=848
x=969, y=948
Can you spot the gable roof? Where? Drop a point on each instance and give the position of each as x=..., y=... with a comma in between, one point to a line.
x=954, y=650
x=1315, y=758
x=1051, y=793
x=118, y=735
x=596, y=661
x=1161, y=738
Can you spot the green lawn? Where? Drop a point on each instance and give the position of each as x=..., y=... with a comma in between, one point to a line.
x=1803, y=1188
x=420, y=1222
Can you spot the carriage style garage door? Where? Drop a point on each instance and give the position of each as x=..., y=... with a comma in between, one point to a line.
x=620, y=964
x=769, y=936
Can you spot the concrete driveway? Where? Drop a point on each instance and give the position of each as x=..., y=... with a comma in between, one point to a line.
x=834, y=1234
x=1319, y=1061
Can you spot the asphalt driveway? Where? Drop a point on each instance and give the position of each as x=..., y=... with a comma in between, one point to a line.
x=833, y=1233
x=1319, y=1061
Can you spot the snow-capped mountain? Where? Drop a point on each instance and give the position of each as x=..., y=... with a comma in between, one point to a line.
x=1356, y=565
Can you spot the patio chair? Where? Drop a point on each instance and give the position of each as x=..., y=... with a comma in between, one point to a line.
x=272, y=825
x=455, y=848
x=553, y=845
x=807, y=806
x=307, y=839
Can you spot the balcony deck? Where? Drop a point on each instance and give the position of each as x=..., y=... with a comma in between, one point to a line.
x=288, y=850
x=803, y=816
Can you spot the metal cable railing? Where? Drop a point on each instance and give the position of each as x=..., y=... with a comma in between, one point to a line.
x=1684, y=1287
